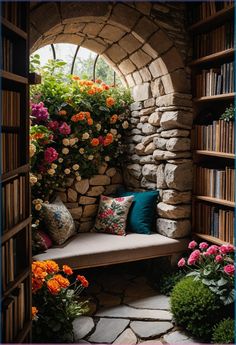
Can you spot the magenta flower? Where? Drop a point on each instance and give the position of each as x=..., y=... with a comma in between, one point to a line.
x=229, y=269
x=194, y=257
x=64, y=129
x=181, y=262
x=218, y=258
x=53, y=125
x=192, y=245
x=212, y=250
x=101, y=139
x=50, y=155
x=39, y=112
x=203, y=245
x=227, y=248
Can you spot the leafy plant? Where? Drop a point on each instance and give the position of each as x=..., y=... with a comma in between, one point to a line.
x=167, y=281
x=223, y=332
x=56, y=302
x=195, y=307
x=214, y=267
x=229, y=114
x=34, y=63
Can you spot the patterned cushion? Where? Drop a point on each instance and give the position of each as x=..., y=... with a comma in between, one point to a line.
x=112, y=214
x=58, y=220
x=43, y=240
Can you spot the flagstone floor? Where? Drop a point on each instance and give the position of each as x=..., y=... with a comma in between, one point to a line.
x=125, y=309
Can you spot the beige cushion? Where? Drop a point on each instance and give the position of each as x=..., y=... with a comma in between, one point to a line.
x=98, y=249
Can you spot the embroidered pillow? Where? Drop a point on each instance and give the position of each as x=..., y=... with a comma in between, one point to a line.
x=43, y=240
x=58, y=220
x=112, y=214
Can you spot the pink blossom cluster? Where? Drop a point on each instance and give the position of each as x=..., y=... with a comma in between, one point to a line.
x=217, y=253
x=50, y=155
x=39, y=112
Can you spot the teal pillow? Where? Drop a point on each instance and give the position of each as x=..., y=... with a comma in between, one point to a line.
x=142, y=211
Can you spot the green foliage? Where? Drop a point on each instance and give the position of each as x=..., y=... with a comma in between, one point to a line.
x=223, y=332
x=34, y=63
x=229, y=114
x=195, y=307
x=168, y=281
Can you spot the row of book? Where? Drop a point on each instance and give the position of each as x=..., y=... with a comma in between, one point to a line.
x=215, y=81
x=219, y=136
x=13, y=202
x=7, y=54
x=12, y=12
x=215, y=183
x=13, y=313
x=10, y=151
x=221, y=38
x=214, y=221
x=203, y=10
x=10, y=109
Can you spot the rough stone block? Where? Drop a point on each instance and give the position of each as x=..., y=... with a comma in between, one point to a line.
x=127, y=67
x=124, y=16
x=147, y=184
x=141, y=92
x=174, y=99
x=160, y=174
x=130, y=43
x=178, y=144
x=157, y=88
x=160, y=143
x=135, y=170
x=160, y=42
x=116, y=53
x=148, y=139
x=145, y=74
x=150, y=148
x=136, y=106
x=140, y=58
x=112, y=33
x=164, y=155
x=179, y=176
x=176, y=119
x=155, y=118
x=173, y=211
x=149, y=171
x=148, y=129
x=173, y=228
x=145, y=28
x=174, y=133
x=173, y=197
x=137, y=78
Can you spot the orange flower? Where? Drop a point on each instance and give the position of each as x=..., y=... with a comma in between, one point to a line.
x=107, y=142
x=75, y=77
x=62, y=112
x=52, y=266
x=90, y=121
x=34, y=312
x=36, y=284
x=114, y=118
x=91, y=92
x=53, y=286
x=110, y=101
x=109, y=136
x=78, y=117
x=98, y=81
x=105, y=87
x=64, y=282
x=94, y=142
x=74, y=118
x=83, y=281
x=67, y=270
x=87, y=114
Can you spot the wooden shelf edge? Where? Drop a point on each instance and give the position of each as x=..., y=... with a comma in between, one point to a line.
x=213, y=57
x=14, y=28
x=209, y=238
x=14, y=77
x=215, y=200
x=213, y=18
x=22, y=276
x=215, y=154
x=8, y=175
x=223, y=96
x=23, y=333
x=17, y=228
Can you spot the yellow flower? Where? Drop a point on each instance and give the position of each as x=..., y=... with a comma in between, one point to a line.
x=125, y=124
x=60, y=160
x=85, y=136
x=81, y=151
x=33, y=179
x=75, y=167
x=65, y=151
x=38, y=207
x=67, y=171
x=90, y=157
x=66, y=142
x=51, y=172
x=53, y=166
x=98, y=127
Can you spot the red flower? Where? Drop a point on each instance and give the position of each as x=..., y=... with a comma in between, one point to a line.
x=83, y=281
x=229, y=269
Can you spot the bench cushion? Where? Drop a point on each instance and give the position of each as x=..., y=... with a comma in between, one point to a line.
x=98, y=249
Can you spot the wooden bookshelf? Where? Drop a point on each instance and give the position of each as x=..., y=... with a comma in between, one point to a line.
x=213, y=151
x=15, y=221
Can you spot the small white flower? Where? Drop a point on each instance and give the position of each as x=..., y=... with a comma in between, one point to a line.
x=119, y=136
x=78, y=178
x=98, y=126
x=65, y=151
x=33, y=179
x=85, y=136
x=67, y=171
x=72, y=141
x=53, y=166
x=107, y=158
x=66, y=142
x=125, y=124
x=76, y=140
x=75, y=167
x=90, y=157
x=113, y=131
x=38, y=207
x=60, y=160
x=51, y=172
x=81, y=150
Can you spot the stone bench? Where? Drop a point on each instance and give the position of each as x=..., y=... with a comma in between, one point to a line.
x=97, y=249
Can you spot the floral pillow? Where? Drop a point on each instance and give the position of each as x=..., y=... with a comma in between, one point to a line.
x=112, y=214
x=58, y=220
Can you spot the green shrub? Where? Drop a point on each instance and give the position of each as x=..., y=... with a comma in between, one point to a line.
x=223, y=332
x=168, y=281
x=195, y=307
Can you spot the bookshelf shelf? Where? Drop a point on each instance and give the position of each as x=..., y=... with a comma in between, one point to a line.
x=14, y=77
x=215, y=154
x=21, y=277
x=211, y=21
x=215, y=200
x=14, y=28
x=225, y=54
x=222, y=97
x=13, y=231
x=22, y=169
x=209, y=238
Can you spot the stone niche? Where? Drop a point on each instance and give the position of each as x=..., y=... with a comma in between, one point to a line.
x=82, y=197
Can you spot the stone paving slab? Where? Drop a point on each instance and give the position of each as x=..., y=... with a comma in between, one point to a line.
x=178, y=337
x=127, y=337
x=147, y=330
x=123, y=311
x=83, y=325
x=108, y=330
x=150, y=302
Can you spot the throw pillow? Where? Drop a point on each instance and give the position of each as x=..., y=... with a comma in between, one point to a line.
x=44, y=241
x=142, y=212
x=58, y=220
x=112, y=214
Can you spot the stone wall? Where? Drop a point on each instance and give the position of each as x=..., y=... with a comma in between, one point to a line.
x=82, y=197
x=148, y=46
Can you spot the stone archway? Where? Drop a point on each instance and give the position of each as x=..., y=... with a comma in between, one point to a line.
x=146, y=44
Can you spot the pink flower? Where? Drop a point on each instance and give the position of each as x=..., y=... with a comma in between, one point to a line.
x=206, y=254
x=212, y=250
x=119, y=199
x=50, y=155
x=218, y=258
x=229, y=269
x=194, y=256
x=227, y=248
x=181, y=262
x=53, y=125
x=39, y=112
x=203, y=245
x=101, y=139
x=192, y=245
x=64, y=129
